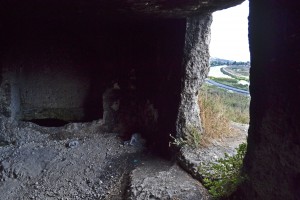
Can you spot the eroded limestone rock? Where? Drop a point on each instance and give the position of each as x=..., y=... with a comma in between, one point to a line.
x=196, y=67
x=158, y=179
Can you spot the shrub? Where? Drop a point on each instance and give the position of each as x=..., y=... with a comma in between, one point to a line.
x=223, y=176
x=192, y=138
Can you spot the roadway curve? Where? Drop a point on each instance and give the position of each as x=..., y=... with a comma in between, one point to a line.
x=244, y=92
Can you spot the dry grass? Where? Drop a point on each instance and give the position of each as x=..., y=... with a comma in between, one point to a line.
x=217, y=109
x=236, y=105
x=238, y=115
x=214, y=120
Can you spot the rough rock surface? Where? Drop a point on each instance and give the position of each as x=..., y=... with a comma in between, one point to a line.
x=133, y=8
x=158, y=179
x=272, y=161
x=196, y=62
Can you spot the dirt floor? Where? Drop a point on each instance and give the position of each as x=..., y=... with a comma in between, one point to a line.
x=81, y=161
x=77, y=161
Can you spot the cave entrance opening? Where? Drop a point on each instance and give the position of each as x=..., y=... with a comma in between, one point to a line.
x=225, y=97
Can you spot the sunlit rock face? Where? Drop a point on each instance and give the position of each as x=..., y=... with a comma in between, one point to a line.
x=135, y=64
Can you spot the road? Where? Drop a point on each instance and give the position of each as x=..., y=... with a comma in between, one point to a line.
x=244, y=92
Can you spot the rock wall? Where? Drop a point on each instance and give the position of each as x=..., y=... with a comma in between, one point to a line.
x=272, y=161
x=48, y=74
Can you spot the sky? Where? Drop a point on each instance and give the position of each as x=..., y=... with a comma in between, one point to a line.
x=229, y=33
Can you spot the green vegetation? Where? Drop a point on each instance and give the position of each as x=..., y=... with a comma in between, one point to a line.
x=238, y=70
x=219, y=61
x=233, y=106
x=224, y=176
x=233, y=82
x=233, y=73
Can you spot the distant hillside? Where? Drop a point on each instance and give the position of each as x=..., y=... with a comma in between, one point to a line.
x=220, y=61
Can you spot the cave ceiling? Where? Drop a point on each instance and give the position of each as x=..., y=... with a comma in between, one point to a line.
x=19, y=9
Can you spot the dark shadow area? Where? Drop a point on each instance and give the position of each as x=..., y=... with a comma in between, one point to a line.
x=62, y=67
x=49, y=122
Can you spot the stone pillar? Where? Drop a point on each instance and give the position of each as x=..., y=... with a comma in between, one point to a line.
x=196, y=67
x=272, y=162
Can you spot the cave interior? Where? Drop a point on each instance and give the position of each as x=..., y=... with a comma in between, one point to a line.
x=129, y=63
